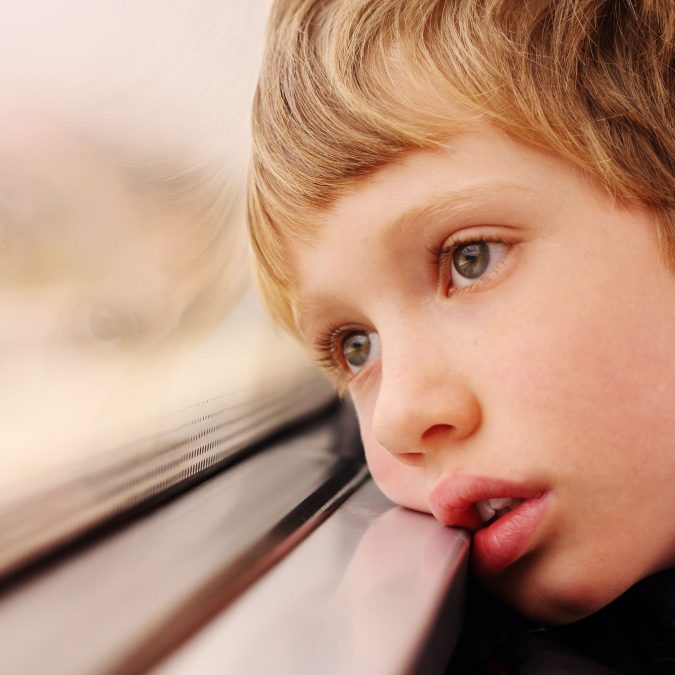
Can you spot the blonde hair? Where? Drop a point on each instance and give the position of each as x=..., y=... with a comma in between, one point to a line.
x=344, y=83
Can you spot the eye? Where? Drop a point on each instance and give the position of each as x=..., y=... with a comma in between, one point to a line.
x=110, y=324
x=359, y=347
x=474, y=259
x=103, y=326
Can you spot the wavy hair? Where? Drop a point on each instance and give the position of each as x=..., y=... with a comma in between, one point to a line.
x=348, y=86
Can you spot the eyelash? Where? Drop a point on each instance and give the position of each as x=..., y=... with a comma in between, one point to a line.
x=328, y=344
x=327, y=348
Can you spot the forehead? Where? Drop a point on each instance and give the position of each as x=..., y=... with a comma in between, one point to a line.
x=482, y=174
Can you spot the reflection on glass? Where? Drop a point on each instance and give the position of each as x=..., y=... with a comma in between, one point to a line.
x=123, y=291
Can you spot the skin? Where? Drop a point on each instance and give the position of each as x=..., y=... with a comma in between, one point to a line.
x=554, y=369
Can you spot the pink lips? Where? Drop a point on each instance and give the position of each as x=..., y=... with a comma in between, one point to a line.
x=500, y=544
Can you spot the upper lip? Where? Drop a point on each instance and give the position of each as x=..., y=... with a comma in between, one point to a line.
x=453, y=498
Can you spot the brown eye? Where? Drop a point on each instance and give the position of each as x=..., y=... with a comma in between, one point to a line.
x=475, y=259
x=359, y=347
x=471, y=260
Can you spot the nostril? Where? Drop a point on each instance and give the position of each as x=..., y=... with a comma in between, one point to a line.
x=438, y=432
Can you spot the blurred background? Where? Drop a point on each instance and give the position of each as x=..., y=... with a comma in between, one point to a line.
x=125, y=288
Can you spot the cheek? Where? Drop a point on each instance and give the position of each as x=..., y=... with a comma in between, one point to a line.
x=585, y=399
x=590, y=381
x=403, y=484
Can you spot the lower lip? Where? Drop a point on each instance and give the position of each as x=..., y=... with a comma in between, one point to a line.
x=505, y=541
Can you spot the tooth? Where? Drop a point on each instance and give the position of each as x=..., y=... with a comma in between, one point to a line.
x=498, y=503
x=485, y=510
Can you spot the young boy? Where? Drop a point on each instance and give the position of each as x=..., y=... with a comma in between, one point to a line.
x=465, y=210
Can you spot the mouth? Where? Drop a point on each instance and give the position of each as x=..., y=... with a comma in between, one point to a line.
x=502, y=516
x=490, y=510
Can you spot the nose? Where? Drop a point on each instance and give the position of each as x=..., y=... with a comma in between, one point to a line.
x=423, y=405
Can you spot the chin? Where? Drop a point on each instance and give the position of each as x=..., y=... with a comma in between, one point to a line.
x=551, y=597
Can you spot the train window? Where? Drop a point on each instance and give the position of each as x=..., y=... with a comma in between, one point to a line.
x=125, y=307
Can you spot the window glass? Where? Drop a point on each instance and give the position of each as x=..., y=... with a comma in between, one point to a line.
x=124, y=289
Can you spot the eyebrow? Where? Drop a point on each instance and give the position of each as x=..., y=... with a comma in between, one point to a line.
x=445, y=205
x=452, y=203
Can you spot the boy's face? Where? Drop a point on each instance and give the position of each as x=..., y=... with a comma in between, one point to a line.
x=507, y=331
